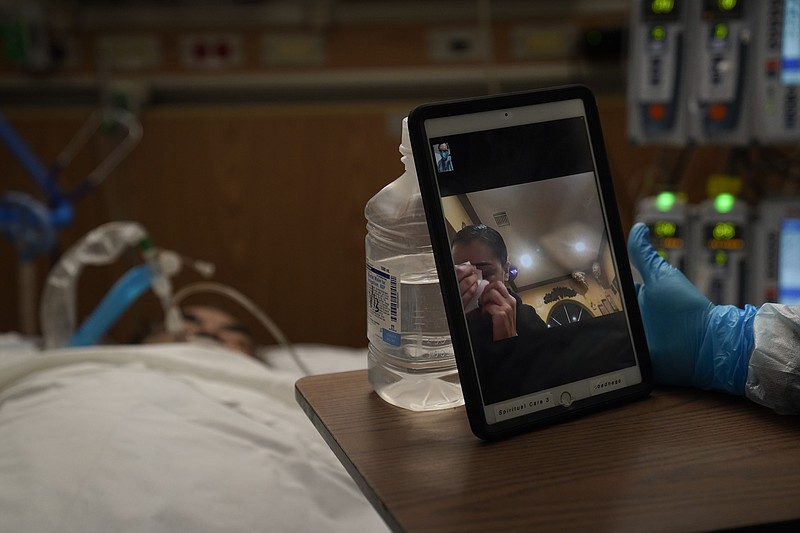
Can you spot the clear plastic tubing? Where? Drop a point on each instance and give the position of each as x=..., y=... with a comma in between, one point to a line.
x=101, y=246
x=410, y=354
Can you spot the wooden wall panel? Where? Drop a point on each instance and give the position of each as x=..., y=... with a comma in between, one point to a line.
x=275, y=198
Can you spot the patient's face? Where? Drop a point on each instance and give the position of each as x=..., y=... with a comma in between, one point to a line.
x=202, y=322
x=218, y=325
x=482, y=257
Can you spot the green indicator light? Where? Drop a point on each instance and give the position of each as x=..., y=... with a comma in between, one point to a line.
x=658, y=33
x=724, y=202
x=721, y=258
x=663, y=7
x=663, y=253
x=665, y=201
x=721, y=31
x=724, y=231
x=726, y=5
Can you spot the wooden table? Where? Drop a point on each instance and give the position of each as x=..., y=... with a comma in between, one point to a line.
x=679, y=460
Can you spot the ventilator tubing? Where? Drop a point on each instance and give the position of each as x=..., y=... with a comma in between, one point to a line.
x=101, y=246
x=121, y=296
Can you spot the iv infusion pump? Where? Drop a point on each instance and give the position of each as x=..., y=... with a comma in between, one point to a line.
x=667, y=217
x=714, y=71
x=656, y=110
x=705, y=241
x=719, y=35
x=733, y=255
x=718, y=251
x=776, y=70
x=775, y=263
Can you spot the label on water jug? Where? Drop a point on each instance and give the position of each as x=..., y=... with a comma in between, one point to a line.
x=383, y=303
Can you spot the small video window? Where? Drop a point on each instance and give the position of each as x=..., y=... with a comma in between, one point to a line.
x=444, y=159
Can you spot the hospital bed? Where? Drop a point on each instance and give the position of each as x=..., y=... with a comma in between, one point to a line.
x=168, y=437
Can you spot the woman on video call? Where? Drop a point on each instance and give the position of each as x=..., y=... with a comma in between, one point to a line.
x=482, y=264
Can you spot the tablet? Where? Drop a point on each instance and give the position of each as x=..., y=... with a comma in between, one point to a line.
x=531, y=257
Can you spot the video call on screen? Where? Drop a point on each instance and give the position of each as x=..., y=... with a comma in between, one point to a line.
x=526, y=161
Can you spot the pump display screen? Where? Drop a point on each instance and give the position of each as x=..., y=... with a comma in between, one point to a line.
x=789, y=262
x=719, y=9
x=724, y=236
x=790, y=43
x=666, y=234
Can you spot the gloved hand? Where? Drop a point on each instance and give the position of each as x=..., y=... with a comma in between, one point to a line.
x=691, y=340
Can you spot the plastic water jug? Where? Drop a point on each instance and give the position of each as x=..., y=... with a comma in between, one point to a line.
x=410, y=362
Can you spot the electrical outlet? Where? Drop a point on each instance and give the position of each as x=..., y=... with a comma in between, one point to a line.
x=544, y=42
x=293, y=49
x=465, y=44
x=211, y=50
x=129, y=52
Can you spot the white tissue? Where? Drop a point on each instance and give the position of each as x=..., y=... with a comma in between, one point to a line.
x=473, y=304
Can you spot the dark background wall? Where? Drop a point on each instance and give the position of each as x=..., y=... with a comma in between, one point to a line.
x=264, y=168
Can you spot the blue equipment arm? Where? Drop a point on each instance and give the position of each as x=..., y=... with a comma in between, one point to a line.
x=28, y=160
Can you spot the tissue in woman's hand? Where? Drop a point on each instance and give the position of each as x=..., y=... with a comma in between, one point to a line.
x=474, y=302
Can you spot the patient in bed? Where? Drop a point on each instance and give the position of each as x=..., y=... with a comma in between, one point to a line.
x=167, y=436
x=208, y=324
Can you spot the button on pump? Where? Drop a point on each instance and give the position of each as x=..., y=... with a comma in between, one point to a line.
x=566, y=399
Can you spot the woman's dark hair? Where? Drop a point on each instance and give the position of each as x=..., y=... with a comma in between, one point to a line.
x=488, y=236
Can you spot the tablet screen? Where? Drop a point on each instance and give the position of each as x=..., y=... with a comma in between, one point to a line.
x=524, y=210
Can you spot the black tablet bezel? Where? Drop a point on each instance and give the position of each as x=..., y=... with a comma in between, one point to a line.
x=429, y=187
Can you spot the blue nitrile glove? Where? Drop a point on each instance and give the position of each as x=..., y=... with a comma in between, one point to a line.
x=691, y=340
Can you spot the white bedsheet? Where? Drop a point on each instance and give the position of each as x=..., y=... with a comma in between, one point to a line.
x=171, y=438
